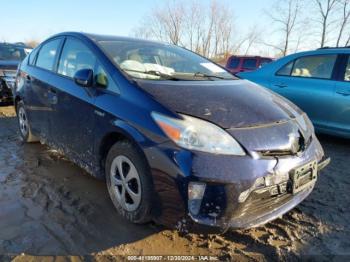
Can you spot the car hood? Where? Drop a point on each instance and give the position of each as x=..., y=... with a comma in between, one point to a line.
x=229, y=104
x=10, y=65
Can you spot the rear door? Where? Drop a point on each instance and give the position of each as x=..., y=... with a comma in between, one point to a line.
x=342, y=96
x=37, y=97
x=308, y=82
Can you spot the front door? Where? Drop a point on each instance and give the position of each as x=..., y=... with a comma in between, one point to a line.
x=73, y=123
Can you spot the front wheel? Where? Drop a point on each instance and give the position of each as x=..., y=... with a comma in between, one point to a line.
x=23, y=123
x=129, y=182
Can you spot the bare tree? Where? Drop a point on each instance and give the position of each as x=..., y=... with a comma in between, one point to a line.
x=347, y=43
x=209, y=32
x=172, y=21
x=252, y=38
x=226, y=31
x=206, y=30
x=194, y=24
x=165, y=23
x=344, y=20
x=286, y=17
x=325, y=8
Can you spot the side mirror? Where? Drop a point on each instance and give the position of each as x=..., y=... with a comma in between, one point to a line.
x=84, y=77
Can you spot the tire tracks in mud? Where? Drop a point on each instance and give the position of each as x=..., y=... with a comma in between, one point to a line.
x=49, y=206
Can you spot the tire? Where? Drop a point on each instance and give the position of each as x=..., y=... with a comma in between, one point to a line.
x=129, y=182
x=23, y=124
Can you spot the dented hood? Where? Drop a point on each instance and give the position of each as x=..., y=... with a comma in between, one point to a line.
x=229, y=104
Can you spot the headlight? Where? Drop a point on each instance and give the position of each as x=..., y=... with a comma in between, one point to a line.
x=196, y=134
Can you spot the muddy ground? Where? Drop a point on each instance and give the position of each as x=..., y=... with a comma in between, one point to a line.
x=50, y=207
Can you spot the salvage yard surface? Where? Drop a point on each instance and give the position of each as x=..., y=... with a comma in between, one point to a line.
x=50, y=207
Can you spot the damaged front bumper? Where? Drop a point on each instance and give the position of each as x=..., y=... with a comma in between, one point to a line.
x=224, y=191
x=223, y=205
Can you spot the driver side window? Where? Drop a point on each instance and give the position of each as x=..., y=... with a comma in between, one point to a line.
x=75, y=56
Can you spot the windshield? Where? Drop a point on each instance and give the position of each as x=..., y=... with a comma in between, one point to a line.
x=147, y=60
x=12, y=52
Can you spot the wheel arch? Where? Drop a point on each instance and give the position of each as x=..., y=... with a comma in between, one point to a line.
x=121, y=131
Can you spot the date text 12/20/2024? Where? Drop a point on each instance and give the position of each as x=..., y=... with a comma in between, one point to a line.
x=172, y=258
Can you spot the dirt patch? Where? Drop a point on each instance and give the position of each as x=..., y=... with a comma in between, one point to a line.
x=49, y=206
x=7, y=111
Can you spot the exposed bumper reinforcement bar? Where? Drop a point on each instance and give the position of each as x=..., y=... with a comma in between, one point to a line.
x=323, y=163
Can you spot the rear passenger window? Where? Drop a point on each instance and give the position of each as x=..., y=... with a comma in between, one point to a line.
x=47, y=54
x=75, y=56
x=347, y=71
x=319, y=66
x=285, y=70
x=249, y=63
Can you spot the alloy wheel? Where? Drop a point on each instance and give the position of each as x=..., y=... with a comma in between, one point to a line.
x=23, y=121
x=125, y=183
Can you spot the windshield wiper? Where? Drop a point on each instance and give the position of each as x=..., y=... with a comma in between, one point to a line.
x=155, y=73
x=210, y=76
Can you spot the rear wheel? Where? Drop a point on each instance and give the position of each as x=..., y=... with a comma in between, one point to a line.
x=23, y=123
x=129, y=182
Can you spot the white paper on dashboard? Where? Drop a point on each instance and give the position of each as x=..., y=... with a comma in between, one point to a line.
x=213, y=67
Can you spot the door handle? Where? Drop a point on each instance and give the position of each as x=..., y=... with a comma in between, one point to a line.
x=281, y=85
x=343, y=93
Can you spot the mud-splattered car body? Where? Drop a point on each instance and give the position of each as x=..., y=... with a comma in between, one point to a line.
x=277, y=170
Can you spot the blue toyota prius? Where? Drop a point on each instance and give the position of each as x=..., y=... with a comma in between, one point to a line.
x=317, y=81
x=179, y=140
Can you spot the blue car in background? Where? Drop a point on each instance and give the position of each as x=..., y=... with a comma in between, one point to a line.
x=317, y=81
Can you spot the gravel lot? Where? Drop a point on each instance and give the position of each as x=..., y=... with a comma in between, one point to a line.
x=50, y=207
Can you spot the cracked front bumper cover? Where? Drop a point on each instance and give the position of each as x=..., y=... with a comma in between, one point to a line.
x=262, y=207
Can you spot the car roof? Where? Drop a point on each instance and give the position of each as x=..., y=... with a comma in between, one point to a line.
x=100, y=38
x=331, y=50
